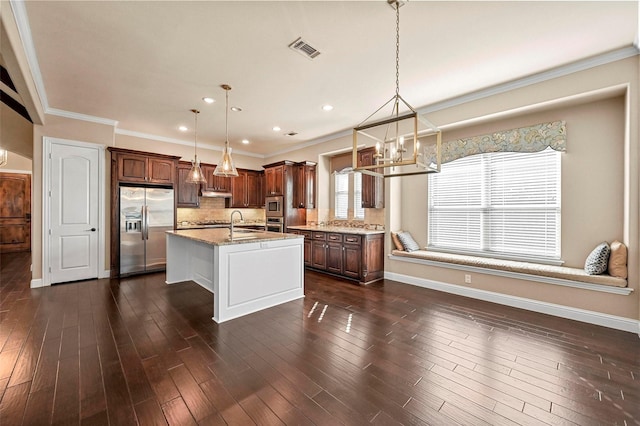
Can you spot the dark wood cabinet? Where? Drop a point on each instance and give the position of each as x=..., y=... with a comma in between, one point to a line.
x=355, y=256
x=352, y=256
x=215, y=183
x=372, y=186
x=144, y=167
x=319, y=250
x=334, y=253
x=186, y=193
x=274, y=179
x=246, y=189
x=304, y=195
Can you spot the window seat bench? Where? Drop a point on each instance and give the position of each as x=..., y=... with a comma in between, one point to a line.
x=560, y=275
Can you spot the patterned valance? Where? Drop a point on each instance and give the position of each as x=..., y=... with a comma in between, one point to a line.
x=524, y=139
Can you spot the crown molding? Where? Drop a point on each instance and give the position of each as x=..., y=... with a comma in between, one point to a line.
x=83, y=117
x=22, y=22
x=574, y=67
x=182, y=142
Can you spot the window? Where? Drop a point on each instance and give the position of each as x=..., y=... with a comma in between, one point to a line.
x=497, y=204
x=342, y=195
x=358, y=210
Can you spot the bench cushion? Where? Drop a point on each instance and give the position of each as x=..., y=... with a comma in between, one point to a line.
x=562, y=272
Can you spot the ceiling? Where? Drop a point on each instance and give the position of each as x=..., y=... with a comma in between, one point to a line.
x=146, y=64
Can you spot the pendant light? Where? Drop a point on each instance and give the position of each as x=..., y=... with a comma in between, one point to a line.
x=226, y=167
x=405, y=143
x=195, y=174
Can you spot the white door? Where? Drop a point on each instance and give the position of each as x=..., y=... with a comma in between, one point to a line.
x=73, y=212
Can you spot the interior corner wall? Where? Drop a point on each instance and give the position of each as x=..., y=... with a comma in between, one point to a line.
x=76, y=130
x=600, y=178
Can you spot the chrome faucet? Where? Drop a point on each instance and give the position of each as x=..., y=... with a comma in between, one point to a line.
x=231, y=226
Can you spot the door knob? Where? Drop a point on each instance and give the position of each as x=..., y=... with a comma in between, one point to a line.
x=92, y=229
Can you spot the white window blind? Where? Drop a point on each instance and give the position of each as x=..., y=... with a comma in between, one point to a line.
x=358, y=210
x=498, y=204
x=341, y=195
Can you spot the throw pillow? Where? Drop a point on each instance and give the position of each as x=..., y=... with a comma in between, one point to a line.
x=598, y=260
x=408, y=242
x=618, y=260
x=396, y=240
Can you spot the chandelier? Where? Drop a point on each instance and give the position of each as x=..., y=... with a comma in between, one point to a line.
x=406, y=143
x=195, y=174
x=226, y=167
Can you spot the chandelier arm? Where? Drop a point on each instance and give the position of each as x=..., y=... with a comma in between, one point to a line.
x=376, y=111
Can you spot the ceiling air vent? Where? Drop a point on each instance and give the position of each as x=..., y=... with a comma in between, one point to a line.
x=304, y=48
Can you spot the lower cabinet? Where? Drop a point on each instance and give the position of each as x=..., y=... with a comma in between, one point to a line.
x=355, y=256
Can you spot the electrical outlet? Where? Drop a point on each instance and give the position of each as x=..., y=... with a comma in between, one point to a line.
x=467, y=278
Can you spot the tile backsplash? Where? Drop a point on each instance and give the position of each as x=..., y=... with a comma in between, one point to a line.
x=214, y=209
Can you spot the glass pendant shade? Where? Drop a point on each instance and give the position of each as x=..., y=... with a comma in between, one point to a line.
x=3, y=157
x=226, y=167
x=195, y=174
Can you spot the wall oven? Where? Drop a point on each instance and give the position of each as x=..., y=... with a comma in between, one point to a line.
x=273, y=206
x=275, y=224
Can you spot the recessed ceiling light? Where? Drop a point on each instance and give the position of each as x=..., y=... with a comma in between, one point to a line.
x=245, y=141
x=208, y=100
x=183, y=128
x=327, y=107
x=276, y=129
x=236, y=109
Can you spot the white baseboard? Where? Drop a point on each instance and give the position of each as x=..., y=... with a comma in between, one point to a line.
x=37, y=283
x=591, y=317
x=105, y=274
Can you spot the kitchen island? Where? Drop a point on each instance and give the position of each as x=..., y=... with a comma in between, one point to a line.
x=253, y=271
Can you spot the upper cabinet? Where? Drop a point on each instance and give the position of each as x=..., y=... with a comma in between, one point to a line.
x=215, y=183
x=304, y=195
x=278, y=178
x=186, y=193
x=246, y=189
x=144, y=167
x=274, y=180
x=372, y=187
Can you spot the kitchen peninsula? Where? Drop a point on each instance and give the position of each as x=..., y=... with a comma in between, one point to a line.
x=252, y=271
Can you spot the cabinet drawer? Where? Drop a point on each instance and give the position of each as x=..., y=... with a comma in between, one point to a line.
x=334, y=237
x=352, y=239
x=320, y=236
x=307, y=234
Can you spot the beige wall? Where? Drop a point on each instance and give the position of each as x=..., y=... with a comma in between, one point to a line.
x=186, y=151
x=599, y=177
x=599, y=180
x=16, y=132
x=17, y=163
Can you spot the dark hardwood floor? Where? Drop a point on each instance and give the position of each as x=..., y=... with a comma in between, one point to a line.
x=136, y=351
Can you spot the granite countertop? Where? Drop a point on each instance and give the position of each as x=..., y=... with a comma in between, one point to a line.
x=220, y=236
x=339, y=229
x=217, y=224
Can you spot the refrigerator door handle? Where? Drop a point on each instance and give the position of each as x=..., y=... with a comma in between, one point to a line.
x=143, y=221
x=146, y=222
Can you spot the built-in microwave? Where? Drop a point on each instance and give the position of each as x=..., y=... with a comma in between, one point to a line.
x=273, y=206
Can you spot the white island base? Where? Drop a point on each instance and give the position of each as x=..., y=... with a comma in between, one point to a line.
x=244, y=276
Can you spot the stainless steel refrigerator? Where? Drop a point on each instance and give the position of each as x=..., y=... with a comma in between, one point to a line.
x=145, y=215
